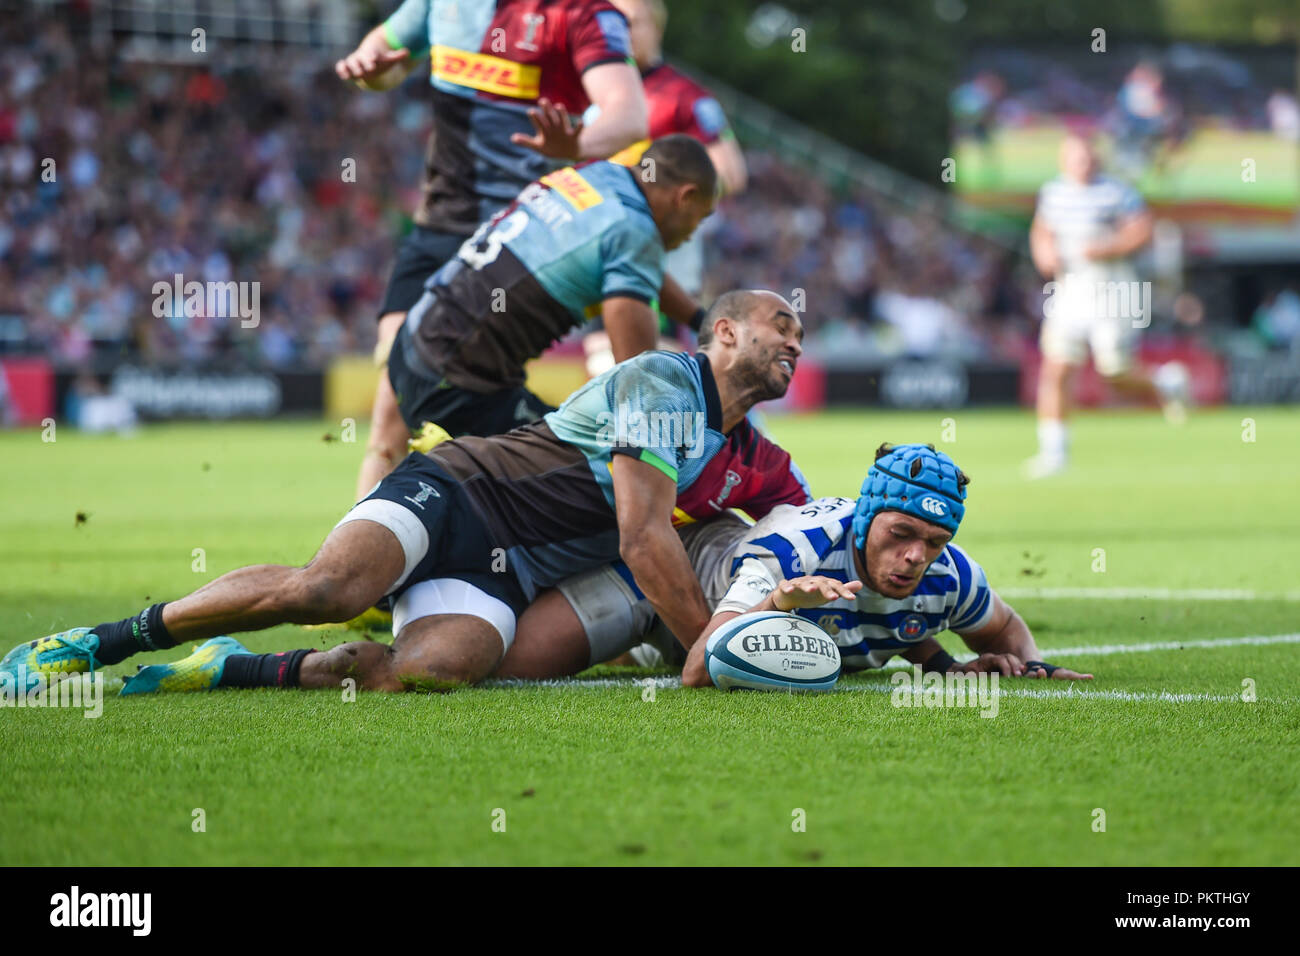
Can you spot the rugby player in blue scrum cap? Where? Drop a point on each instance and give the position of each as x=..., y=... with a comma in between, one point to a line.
x=880, y=574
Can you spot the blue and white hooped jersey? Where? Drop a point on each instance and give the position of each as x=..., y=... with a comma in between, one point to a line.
x=1082, y=213
x=817, y=538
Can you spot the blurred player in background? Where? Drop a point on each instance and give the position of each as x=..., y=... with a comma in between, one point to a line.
x=1086, y=231
x=677, y=104
x=974, y=105
x=508, y=80
x=1146, y=122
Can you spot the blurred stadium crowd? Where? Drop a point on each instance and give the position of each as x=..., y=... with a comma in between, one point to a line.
x=240, y=175
x=879, y=281
x=171, y=169
x=163, y=169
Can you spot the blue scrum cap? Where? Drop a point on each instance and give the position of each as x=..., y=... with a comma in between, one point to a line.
x=913, y=479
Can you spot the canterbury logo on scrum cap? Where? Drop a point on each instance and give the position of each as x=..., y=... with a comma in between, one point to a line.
x=934, y=506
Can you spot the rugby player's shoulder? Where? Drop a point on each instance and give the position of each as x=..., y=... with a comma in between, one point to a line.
x=675, y=367
x=818, y=512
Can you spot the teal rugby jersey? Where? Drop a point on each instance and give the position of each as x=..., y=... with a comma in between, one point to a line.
x=545, y=492
x=536, y=270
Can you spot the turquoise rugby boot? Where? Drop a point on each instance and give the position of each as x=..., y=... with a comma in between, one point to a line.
x=67, y=652
x=200, y=671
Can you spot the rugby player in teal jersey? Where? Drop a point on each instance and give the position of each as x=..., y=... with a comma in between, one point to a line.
x=463, y=538
x=506, y=80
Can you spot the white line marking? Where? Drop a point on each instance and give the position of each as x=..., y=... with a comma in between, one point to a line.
x=1072, y=689
x=1105, y=650
x=1043, y=693
x=1149, y=594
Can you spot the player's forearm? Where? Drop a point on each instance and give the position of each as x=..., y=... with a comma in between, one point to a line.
x=729, y=161
x=1127, y=240
x=676, y=303
x=1042, y=249
x=1014, y=637
x=630, y=325
x=619, y=123
x=659, y=564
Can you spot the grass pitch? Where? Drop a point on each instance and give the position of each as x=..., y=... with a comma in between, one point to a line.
x=1159, y=537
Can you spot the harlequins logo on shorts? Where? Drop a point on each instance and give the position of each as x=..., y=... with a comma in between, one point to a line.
x=913, y=626
x=423, y=495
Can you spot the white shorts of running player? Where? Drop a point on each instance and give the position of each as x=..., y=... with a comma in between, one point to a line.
x=1103, y=314
x=616, y=620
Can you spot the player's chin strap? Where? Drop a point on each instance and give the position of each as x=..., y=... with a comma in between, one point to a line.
x=913, y=479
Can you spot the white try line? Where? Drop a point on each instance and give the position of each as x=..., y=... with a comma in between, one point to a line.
x=1148, y=594
x=1105, y=650
x=1072, y=689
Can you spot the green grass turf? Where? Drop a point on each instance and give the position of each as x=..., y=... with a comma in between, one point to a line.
x=595, y=774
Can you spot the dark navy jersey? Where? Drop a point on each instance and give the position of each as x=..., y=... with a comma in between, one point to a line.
x=490, y=61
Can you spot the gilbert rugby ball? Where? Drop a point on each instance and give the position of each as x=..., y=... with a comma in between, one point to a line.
x=770, y=650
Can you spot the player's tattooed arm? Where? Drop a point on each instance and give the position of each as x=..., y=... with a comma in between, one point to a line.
x=1006, y=645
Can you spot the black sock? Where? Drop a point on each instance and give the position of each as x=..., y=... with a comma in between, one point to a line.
x=263, y=670
x=118, y=640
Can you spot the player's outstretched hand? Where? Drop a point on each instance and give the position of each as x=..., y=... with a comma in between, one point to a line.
x=1041, y=669
x=812, y=590
x=556, y=131
x=362, y=64
x=1008, y=665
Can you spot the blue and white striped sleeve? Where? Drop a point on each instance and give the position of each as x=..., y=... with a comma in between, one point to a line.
x=752, y=580
x=775, y=550
x=974, y=598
